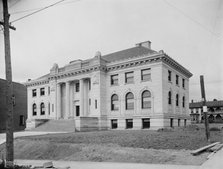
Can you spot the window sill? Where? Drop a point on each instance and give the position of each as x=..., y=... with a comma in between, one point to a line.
x=114, y=85
x=146, y=80
x=114, y=110
x=129, y=83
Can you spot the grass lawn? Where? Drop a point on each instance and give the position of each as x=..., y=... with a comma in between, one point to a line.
x=172, y=147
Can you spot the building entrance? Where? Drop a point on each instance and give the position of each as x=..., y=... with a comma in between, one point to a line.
x=77, y=111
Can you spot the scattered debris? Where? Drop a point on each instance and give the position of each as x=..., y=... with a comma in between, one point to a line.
x=48, y=165
x=196, y=152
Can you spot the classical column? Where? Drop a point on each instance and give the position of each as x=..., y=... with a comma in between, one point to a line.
x=58, y=98
x=82, y=97
x=71, y=102
x=67, y=105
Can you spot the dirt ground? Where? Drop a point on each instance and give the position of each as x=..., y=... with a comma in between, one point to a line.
x=168, y=146
x=42, y=150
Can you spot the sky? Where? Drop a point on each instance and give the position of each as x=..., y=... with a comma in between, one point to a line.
x=189, y=31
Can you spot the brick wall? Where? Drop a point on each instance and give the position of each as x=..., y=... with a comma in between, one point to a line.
x=20, y=108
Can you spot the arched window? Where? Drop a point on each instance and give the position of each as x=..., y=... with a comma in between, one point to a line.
x=34, y=109
x=169, y=97
x=114, y=102
x=42, y=109
x=177, y=100
x=146, y=99
x=183, y=101
x=129, y=101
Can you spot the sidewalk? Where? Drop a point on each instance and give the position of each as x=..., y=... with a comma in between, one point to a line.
x=104, y=165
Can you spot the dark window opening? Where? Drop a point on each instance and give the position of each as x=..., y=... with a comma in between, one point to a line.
x=129, y=123
x=177, y=80
x=129, y=77
x=34, y=92
x=34, y=110
x=77, y=111
x=96, y=104
x=171, y=122
x=42, y=91
x=146, y=75
x=146, y=100
x=77, y=87
x=146, y=123
x=21, y=120
x=114, y=102
x=42, y=109
x=129, y=101
x=169, y=75
x=114, y=124
x=178, y=122
x=114, y=79
x=169, y=97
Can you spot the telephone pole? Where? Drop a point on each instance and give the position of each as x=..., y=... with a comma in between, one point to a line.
x=9, y=88
x=207, y=132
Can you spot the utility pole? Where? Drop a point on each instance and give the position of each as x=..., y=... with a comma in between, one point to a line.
x=9, y=88
x=204, y=108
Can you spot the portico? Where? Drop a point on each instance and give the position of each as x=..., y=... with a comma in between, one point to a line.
x=70, y=94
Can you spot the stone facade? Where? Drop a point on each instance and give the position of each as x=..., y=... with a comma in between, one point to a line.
x=20, y=107
x=125, y=89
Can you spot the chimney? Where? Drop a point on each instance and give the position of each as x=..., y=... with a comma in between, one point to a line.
x=146, y=44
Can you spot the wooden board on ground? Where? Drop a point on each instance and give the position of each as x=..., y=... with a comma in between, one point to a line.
x=215, y=148
x=195, y=152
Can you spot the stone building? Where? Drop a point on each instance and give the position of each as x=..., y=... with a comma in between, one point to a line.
x=215, y=111
x=134, y=88
x=20, y=107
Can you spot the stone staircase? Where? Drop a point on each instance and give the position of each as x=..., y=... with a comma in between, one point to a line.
x=56, y=126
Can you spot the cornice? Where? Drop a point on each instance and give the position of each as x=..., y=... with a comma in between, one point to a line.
x=112, y=66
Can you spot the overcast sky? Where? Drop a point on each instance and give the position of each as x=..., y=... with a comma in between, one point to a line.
x=189, y=31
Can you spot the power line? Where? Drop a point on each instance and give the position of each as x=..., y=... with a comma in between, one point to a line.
x=39, y=10
x=34, y=9
x=192, y=19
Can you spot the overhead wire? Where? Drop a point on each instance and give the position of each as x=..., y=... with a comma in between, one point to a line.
x=192, y=19
x=39, y=10
x=34, y=9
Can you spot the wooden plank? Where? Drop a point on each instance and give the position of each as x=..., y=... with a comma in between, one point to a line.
x=195, y=152
x=215, y=148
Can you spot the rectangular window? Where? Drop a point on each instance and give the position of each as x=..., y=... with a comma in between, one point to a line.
x=21, y=120
x=96, y=104
x=89, y=83
x=146, y=123
x=146, y=75
x=183, y=83
x=169, y=75
x=48, y=90
x=171, y=122
x=114, y=79
x=89, y=101
x=177, y=80
x=178, y=122
x=185, y=122
x=129, y=77
x=114, y=124
x=77, y=111
x=77, y=87
x=42, y=91
x=129, y=123
x=49, y=108
x=34, y=92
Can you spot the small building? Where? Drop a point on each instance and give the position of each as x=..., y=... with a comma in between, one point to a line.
x=135, y=88
x=20, y=107
x=215, y=111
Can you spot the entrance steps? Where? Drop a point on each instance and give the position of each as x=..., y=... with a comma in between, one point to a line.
x=56, y=126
